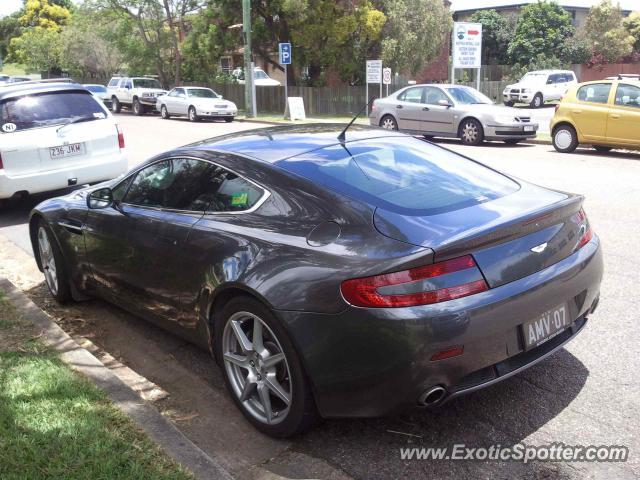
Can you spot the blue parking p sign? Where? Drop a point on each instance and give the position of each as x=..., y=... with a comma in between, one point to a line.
x=285, y=53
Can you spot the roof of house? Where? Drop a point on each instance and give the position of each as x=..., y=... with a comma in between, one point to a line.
x=466, y=5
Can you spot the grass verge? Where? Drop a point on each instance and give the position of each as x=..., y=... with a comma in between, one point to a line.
x=54, y=423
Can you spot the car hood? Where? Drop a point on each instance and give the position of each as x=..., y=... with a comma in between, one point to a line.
x=212, y=101
x=493, y=110
x=157, y=91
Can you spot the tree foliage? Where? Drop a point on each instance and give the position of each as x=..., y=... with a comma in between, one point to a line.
x=44, y=14
x=542, y=29
x=632, y=26
x=415, y=32
x=497, y=31
x=38, y=48
x=608, y=38
x=9, y=28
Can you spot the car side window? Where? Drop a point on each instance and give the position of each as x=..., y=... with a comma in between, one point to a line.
x=173, y=183
x=173, y=93
x=594, y=93
x=114, y=82
x=413, y=95
x=628, y=96
x=433, y=95
x=120, y=190
x=179, y=92
x=232, y=193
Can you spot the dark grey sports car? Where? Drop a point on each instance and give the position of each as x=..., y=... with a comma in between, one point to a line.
x=332, y=276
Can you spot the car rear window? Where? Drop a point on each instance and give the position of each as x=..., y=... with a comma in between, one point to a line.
x=47, y=109
x=404, y=175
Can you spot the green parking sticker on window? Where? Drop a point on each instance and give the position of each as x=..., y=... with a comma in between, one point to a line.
x=239, y=199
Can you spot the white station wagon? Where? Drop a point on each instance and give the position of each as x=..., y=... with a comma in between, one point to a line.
x=55, y=135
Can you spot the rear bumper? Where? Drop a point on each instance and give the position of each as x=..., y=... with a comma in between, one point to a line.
x=369, y=362
x=43, y=181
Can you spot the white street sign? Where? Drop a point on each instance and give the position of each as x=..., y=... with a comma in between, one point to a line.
x=467, y=45
x=296, y=108
x=386, y=76
x=374, y=71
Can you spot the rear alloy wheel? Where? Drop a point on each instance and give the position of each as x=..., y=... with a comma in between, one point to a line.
x=537, y=101
x=602, y=149
x=138, y=108
x=115, y=105
x=471, y=132
x=52, y=264
x=193, y=116
x=565, y=139
x=389, y=123
x=164, y=113
x=262, y=370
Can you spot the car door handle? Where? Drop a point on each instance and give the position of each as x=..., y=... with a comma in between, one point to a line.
x=398, y=106
x=614, y=115
x=425, y=109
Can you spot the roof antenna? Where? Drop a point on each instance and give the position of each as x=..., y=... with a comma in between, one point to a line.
x=342, y=136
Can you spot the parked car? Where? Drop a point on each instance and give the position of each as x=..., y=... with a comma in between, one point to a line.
x=196, y=103
x=18, y=79
x=604, y=113
x=451, y=111
x=137, y=93
x=4, y=79
x=538, y=87
x=261, y=79
x=335, y=275
x=100, y=91
x=54, y=135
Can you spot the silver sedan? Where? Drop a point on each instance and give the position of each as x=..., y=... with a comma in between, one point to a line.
x=454, y=111
x=195, y=103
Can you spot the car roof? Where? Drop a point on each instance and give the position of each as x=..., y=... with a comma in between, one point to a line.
x=272, y=144
x=12, y=90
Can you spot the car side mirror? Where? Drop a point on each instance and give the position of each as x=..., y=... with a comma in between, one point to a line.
x=219, y=96
x=549, y=82
x=99, y=199
x=444, y=103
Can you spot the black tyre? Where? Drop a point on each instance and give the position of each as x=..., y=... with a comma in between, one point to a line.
x=388, y=122
x=565, y=139
x=512, y=141
x=164, y=113
x=602, y=148
x=115, y=105
x=138, y=108
x=471, y=132
x=262, y=370
x=537, y=101
x=52, y=262
x=228, y=119
x=508, y=103
x=193, y=116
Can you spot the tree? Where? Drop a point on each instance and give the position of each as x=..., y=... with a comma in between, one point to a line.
x=542, y=29
x=44, y=14
x=608, y=38
x=632, y=26
x=497, y=31
x=415, y=32
x=9, y=28
x=38, y=48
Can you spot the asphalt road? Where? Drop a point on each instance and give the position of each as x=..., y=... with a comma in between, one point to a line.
x=587, y=393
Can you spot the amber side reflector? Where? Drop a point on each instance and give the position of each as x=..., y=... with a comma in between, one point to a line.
x=448, y=353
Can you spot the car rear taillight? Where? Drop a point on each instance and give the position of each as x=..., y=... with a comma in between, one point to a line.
x=120, y=137
x=586, y=237
x=369, y=291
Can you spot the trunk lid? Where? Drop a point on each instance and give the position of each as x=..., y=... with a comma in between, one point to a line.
x=510, y=237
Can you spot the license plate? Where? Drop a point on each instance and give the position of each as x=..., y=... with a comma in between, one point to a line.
x=546, y=326
x=528, y=128
x=63, y=151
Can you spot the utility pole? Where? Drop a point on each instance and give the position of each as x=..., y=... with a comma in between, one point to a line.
x=248, y=64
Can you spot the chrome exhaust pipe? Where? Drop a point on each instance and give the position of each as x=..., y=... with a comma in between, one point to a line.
x=433, y=396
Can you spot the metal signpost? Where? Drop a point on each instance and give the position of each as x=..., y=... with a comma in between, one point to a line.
x=467, y=48
x=386, y=78
x=285, y=59
x=374, y=75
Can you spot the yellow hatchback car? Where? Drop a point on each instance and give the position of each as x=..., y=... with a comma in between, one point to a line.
x=605, y=114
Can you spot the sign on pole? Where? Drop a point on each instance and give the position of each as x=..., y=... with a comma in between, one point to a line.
x=374, y=75
x=467, y=45
x=284, y=49
x=386, y=78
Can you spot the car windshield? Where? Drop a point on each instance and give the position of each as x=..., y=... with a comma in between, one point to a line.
x=202, y=93
x=532, y=78
x=146, y=83
x=96, y=88
x=259, y=74
x=43, y=110
x=410, y=178
x=468, y=96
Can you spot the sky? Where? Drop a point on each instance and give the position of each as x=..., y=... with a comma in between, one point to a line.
x=7, y=7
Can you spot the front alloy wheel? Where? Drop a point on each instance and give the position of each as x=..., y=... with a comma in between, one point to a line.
x=52, y=264
x=164, y=112
x=138, y=108
x=471, y=132
x=193, y=116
